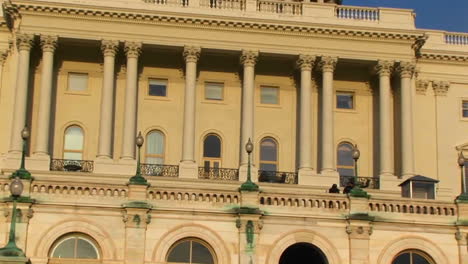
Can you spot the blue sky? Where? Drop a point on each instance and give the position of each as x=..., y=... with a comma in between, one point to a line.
x=449, y=15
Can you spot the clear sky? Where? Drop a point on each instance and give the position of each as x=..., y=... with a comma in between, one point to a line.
x=449, y=15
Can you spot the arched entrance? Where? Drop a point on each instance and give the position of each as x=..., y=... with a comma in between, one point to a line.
x=303, y=253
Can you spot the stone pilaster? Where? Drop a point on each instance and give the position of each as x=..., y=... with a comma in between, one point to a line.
x=136, y=222
x=359, y=232
x=249, y=226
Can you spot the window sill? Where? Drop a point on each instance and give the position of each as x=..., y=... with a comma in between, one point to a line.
x=158, y=98
x=349, y=111
x=217, y=102
x=85, y=93
x=277, y=106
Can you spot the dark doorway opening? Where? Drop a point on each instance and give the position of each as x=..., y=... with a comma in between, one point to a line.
x=303, y=253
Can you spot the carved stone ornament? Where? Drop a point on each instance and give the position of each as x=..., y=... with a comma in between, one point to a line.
x=136, y=220
x=109, y=47
x=3, y=57
x=421, y=86
x=49, y=43
x=191, y=53
x=24, y=41
x=305, y=62
x=359, y=232
x=133, y=49
x=384, y=68
x=406, y=69
x=328, y=64
x=249, y=57
x=440, y=87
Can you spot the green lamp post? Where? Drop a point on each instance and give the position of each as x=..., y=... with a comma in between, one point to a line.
x=11, y=250
x=357, y=191
x=461, y=162
x=138, y=179
x=248, y=185
x=22, y=173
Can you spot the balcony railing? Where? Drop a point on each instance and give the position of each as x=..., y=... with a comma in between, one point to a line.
x=159, y=170
x=364, y=182
x=358, y=13
x=224, y=4
x=71, y=165
x=279, y=7
x=456, y=39
x=277, y=177
x=218, y=174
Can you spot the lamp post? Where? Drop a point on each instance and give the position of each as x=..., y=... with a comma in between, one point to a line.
x=357, y=191
x=248, y=185
x=138, y=179
x=22, y=173
x=461, y=162
x=11, y=250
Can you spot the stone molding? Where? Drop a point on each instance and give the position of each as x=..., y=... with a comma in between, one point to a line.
x=305, y=62
x=421, y=86
x=440, y=88
x=136, y=218
x=133, y=49
x=363, y=231
x=384, y=68
x=109, y=47
x=328, y=64
x=406, y=69
x=191, y=53
x=249, y=57
x=444, y=57
x=24, y=41
x=48, y=43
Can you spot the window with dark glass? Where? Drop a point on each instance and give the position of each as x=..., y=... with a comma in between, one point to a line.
x=268, y=154
x=412, y=257
x=344, y=100
x=74, y=246
x=193, y=251
x=465, y=108
x=345, y=162
x=212, y=151
x=269, y=95
x=157, y=87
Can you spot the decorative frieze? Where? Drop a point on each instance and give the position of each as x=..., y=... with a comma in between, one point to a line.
x=134, y=218
x=24, y=41
x=305, y=62
x=109, y=47
x=440, y=88
x=133, y=49
x=191, y=53
x=249, y=57
x=406, y=69
x=328, y=64
x=421, y=86
x=359, y=231
x=384, y=68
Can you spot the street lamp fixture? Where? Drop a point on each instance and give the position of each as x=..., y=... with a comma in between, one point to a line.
x=461, y=163
x=138, y=179
x=22, y=173
x=248, y=185
x=357, y=191
x=11, y=249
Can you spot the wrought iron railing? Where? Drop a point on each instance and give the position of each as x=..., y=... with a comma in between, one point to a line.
x=71, y=165
x=218, y=174
x=159, y=170
x=364, y=182
x=277, y=177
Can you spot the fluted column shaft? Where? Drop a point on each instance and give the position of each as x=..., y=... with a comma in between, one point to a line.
x=406, y=71
x=24, y=43
x=327, y=65
x=305, y=64
x=248, y=59
x=133, y=50
x=384, y=69
x=109, y=49
x=48, y=44
x=191, y=55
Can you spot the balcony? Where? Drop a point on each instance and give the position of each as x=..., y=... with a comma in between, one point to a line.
x=364, y=182
x=72, y=165
x=277, y=177
x=159, y=170
x=222, y=174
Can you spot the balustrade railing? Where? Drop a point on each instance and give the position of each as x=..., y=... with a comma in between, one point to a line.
x=218, y=174
x=367, y=14
x=277, y=177
x=224, y=4
x=279, y=7
x=159, y=170
x=71, y=165
x=364, y=182
x=456, y=39
x=168, y=2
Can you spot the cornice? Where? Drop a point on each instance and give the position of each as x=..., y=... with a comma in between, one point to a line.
x=146, y=17
x=449, y=56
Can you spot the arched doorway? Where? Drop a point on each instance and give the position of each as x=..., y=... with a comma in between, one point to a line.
x=303, y=253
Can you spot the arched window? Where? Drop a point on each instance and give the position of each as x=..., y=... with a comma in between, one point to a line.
x=212, y=151
x=73, y=143
x=155, y=147
x=268, y=154
x=412, y=257
x=191, y=250
x=74, y=246
x=345, y=162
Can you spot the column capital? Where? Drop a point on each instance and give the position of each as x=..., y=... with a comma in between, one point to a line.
x=421, y=86
x=3, y=56
x=328, y=64
x=132, y=49
x=406, y=69
x=191, y=53
x=305, y=62
x=24, y=41
x=384, y=68
x=109, y=47
x=48, y=43
x=440, y=87
x=249, y=57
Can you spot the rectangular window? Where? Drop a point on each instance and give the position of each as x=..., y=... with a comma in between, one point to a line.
x=157, y=87
x=465, y=108
x=344, y=100
x=77, y=82
x=214, y=91
x=269, y=95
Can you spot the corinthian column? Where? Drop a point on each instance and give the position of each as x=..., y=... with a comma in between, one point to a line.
x=384, y=69
x=406, y=71
x=305, y=64
x=48, y=44
x=24, y=43
x=109, y=49
x=327, y=64
x=132, y=50
x=191, y=55
x=248, y=59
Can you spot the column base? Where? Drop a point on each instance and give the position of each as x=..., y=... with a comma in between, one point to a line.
x=188, y=170
x=110, y=166
x=304, y=174
x=323, y=180
x=389, y=182
x=39, y=162
x=243, y=173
